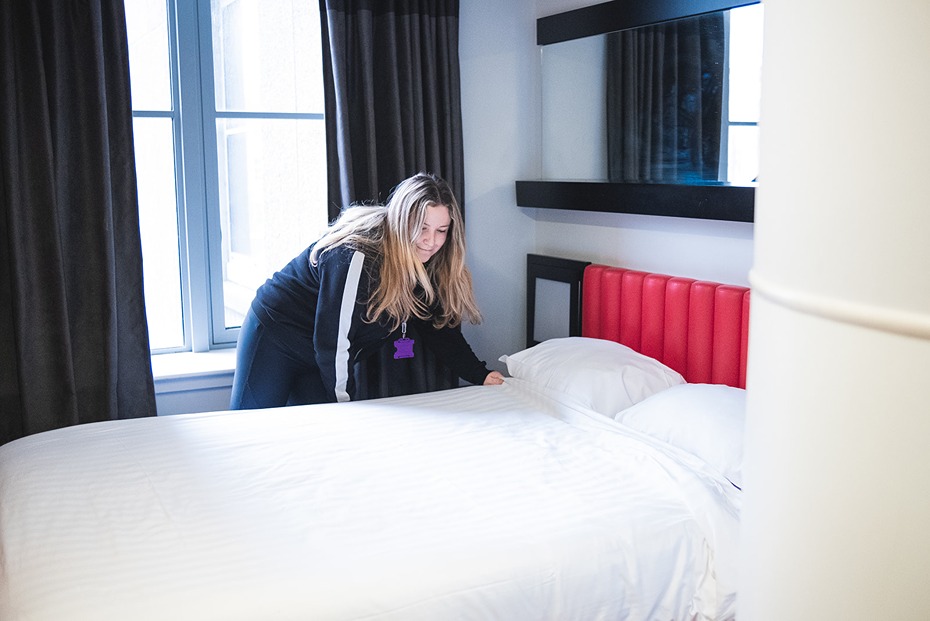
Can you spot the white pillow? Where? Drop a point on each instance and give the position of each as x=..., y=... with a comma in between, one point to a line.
x=706, y=420
x=602, y=375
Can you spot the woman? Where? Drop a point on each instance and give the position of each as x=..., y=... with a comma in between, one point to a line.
x=377, y=269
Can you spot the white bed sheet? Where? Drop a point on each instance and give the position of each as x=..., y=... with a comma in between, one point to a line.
x=472, y=503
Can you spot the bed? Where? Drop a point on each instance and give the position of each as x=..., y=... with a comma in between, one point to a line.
x=598, y=482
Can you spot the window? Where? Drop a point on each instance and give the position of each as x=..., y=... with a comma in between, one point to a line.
x=230, y=155
x=745, y=94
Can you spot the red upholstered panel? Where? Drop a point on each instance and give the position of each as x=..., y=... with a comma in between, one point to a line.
x=727, y=342
x=701, y=333
x=591, y=300
x=611, y=310
x=677, y=308
x=653, y=335
x=744, y=341
x=631, y=309
x=699, y=328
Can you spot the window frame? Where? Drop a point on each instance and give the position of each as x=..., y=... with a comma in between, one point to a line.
x=190, y=88
x=194, y=117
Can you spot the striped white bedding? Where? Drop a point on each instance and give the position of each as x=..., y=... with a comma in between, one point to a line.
x=473, y=503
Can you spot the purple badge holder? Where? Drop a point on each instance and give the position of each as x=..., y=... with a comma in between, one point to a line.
x=403, y=347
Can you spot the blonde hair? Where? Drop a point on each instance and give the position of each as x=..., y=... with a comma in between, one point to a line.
x=388, y=233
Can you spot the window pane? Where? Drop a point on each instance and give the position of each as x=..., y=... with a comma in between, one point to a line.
x=272, y=200
x=743, y=162
x=158, y=221
x=147, y=29
x=267, y=56
x=745, y=64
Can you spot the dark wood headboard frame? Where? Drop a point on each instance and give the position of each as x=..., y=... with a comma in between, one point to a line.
x=699, y=328
x=540, y=267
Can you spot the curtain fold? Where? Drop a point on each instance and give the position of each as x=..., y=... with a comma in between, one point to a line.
x=393, y=96
x=393, y=109
x=665, y=101
x=74, y=345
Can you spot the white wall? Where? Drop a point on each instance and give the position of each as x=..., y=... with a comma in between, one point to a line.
x=500, y=95
x=193, y=382
x=703, y=249
x=837, y=507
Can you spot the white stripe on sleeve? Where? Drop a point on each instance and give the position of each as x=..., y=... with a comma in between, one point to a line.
x=349, y=295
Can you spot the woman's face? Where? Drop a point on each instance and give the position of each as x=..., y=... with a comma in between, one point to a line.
x=434, y=231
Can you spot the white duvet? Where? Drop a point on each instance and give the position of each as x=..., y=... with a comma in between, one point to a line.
x=473, y=503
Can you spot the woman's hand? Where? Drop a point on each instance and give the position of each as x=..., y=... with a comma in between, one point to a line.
x=493, y=379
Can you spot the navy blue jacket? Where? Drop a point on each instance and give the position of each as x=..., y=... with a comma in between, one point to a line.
x=316, y=313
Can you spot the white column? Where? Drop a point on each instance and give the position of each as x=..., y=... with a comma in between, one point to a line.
x=836, y=521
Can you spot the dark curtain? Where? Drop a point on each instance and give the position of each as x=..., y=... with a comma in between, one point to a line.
x=73, y=336
x=393, y=97
x=665, y=101
x=393, y=109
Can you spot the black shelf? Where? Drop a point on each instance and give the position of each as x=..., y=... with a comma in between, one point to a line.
x=709, y=202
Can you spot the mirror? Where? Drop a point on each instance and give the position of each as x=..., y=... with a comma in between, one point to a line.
x=675, y=102
x=575, y=144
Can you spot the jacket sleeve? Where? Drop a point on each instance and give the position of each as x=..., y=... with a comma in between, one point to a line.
x=338, y=315
x=453, y=350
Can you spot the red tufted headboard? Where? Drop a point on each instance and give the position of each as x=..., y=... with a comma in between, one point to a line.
x=699, y=328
